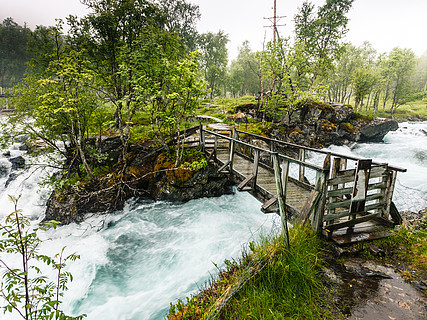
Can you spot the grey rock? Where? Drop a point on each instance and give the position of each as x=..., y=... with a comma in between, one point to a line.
x=17, y=163
x=376, y=132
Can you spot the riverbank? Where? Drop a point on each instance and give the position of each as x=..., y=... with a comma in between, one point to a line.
x=382, y=279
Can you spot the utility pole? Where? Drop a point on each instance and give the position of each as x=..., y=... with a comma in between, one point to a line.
x=273, y=21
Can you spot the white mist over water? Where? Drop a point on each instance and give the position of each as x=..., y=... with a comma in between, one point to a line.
x=137, y=260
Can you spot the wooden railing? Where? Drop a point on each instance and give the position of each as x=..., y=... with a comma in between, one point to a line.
x=361, y=193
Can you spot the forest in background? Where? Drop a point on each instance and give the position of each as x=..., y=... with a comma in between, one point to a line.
x=140, y=70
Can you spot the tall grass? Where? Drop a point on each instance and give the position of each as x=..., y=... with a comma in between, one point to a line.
x=270, y=282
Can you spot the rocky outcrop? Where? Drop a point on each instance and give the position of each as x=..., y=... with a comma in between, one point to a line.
x=182, y=185
x=144, y=178
x=317, y=124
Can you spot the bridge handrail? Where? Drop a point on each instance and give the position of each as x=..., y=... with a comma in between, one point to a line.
x=317, y=150
x=281, y=156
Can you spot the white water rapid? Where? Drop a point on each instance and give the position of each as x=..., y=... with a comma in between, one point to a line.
x=137, y=260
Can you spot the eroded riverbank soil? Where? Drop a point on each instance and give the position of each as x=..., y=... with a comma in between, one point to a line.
x=369, y=290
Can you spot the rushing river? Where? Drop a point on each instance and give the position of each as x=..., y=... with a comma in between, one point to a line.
x=135, y=261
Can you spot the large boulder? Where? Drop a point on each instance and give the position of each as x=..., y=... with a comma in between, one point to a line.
x=376, y=131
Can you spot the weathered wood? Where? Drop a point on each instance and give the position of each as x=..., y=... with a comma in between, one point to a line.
x=269, y=203
x=348, y=175
x=280, y=200
x=224, y=166
x=346, y=203
x=347, y=191
x=255, y=170
x=231, y=159
x=321, y=186
x=244, y=182
x=389, y=194
x=301, y=171
x=309, y=206
x=352, y=222
x=285, y=175
x=334, y=171
x=394, y=213
x=360, y=186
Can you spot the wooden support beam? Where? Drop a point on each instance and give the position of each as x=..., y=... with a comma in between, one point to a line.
x=269, y=203
x=309, y=206
x=244, y=182
x=224, y=166
x=280, y=200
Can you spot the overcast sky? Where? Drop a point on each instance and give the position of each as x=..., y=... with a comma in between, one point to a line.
x=384, y=23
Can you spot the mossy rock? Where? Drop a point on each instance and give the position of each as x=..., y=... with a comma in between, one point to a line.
x=348, y=127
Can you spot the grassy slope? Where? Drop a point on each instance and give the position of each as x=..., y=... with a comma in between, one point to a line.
x=281, y=284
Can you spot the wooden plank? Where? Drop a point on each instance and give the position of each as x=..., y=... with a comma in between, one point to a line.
x=269, y=203
x=255, y=169
x=394, y=213
x=346, y=203
x=348, y=175
x=341, y=192
x=389, y=194
x=284, y=177
x=352, y=222
x=244, y=182
x=374, y=206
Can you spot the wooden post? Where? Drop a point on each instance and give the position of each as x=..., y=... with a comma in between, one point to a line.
x=301, y=157
x=255, y=169
x=271, y=156
x=280, y=200
x=285, y=174
x=322, y=188
x=232, y=149
x=389, y=193
x=215, y=147
x=201, y=142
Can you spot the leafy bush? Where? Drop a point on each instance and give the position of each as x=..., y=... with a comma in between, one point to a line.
x=25, y=290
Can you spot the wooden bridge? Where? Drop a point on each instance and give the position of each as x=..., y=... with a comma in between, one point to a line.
x=348, y=199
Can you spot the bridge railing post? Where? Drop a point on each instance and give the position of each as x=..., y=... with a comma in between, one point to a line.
x=202, y=138
x=280, y=198
x=322, y=187
x=301, y=157
x=255, y=169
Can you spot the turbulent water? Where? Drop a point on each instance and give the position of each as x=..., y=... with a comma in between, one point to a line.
x=135, y=261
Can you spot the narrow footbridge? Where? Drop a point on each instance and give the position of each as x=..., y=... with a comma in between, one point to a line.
x=347, y=199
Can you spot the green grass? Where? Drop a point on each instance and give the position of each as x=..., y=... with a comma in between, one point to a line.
x=416, y=109
x=288, y=287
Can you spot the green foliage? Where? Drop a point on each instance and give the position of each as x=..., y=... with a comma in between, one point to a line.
x=243, y=72
x=25, y=289
x=213, y=61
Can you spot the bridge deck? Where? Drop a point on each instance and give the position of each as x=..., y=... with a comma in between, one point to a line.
x=296, y=196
